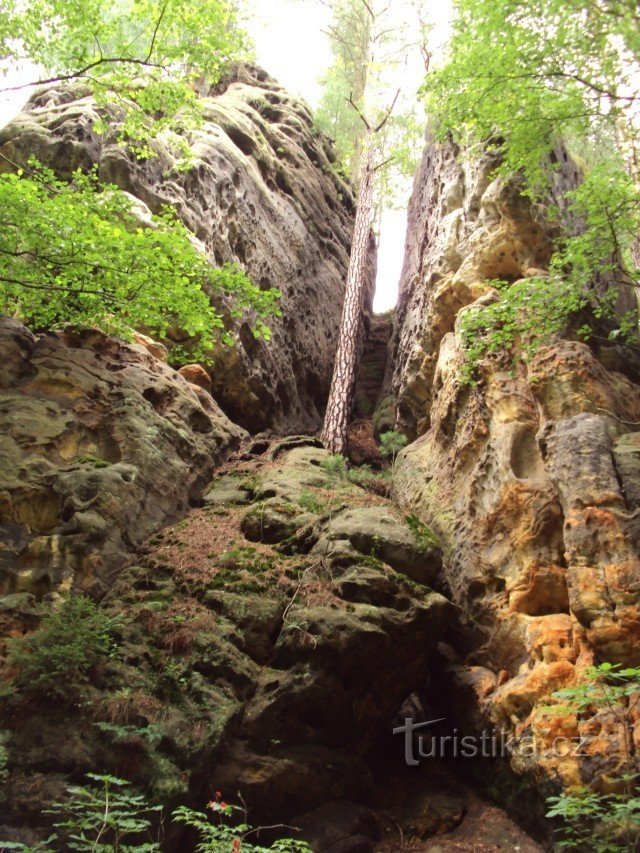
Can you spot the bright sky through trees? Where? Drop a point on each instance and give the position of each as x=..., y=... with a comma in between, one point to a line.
x=291, y=45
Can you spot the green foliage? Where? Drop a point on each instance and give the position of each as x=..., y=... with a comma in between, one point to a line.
x=604, y=686
x=391, y=443
x=76, y=253
x=597, y=822
x=338, y=471
x=58, y=660
x=152, y=734
x=311, y=502
x=335, y=467
x=99, y=818
x=107, y=816
x=216, y=835
x=525, y=74
x=370, y=43
x=377, y=482
x=103, y=816
x=139, y=58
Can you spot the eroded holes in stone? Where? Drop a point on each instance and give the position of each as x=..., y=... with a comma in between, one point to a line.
x=38, y=511
x=241, y=140
x=476, y=589
x=68, y=511
x=41, y=586
x=283, y=183
x=199, y=421
x=249, y=342
x=239, y=251
x=526, y=459
x=160, y=397
x=96, y=448
x=283, y=396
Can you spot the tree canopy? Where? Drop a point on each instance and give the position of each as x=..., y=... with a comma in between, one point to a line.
x=373, y=44
x=139, y=57
x=78, y=253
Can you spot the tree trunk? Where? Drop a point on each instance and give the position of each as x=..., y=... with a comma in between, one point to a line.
x=334, y=431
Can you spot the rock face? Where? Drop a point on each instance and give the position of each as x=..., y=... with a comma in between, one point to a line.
x=260, y=191
x=100, y=444
x=529, y=479
x=256, y=668
x=464, y=228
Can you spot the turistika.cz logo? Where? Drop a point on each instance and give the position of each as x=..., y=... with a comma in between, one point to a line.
x=419, y=746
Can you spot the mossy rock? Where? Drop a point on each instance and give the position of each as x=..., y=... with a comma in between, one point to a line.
x=274, y=521
x=375, y=531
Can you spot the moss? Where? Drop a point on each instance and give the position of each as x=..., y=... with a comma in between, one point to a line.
x=425, y=537
x=94, y=461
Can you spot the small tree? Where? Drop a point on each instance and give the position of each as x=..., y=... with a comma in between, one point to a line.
x=391, y=443
x=58, y=659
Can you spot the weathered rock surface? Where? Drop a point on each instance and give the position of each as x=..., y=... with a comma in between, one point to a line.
x=377, y=531
x=101, y=443
x=529, y=479
x=256, y=672
x=465, y=227
x=260, y=191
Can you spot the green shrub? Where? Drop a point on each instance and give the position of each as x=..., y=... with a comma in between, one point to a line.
x=377, y=482
x=311, y=503
x=335, y=467
x=99, y=818
x=58, y=659
x=596, y=822
x=217, y=836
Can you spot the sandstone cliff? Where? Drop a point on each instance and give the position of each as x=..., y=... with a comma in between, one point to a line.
x=260, y=190
x=530, y=478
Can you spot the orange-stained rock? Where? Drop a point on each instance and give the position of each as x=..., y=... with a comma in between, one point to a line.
x=156, y=349
x=530, y=478
x=196, y=375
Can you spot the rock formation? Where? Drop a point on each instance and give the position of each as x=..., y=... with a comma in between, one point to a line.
x=529, y=478
x=261, y=190
x=263, y=667
x=101, y=444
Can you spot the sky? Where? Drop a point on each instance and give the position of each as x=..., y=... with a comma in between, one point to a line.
x=290, y=43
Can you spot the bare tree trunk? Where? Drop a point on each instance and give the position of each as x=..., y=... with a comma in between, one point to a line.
x=334, y=431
